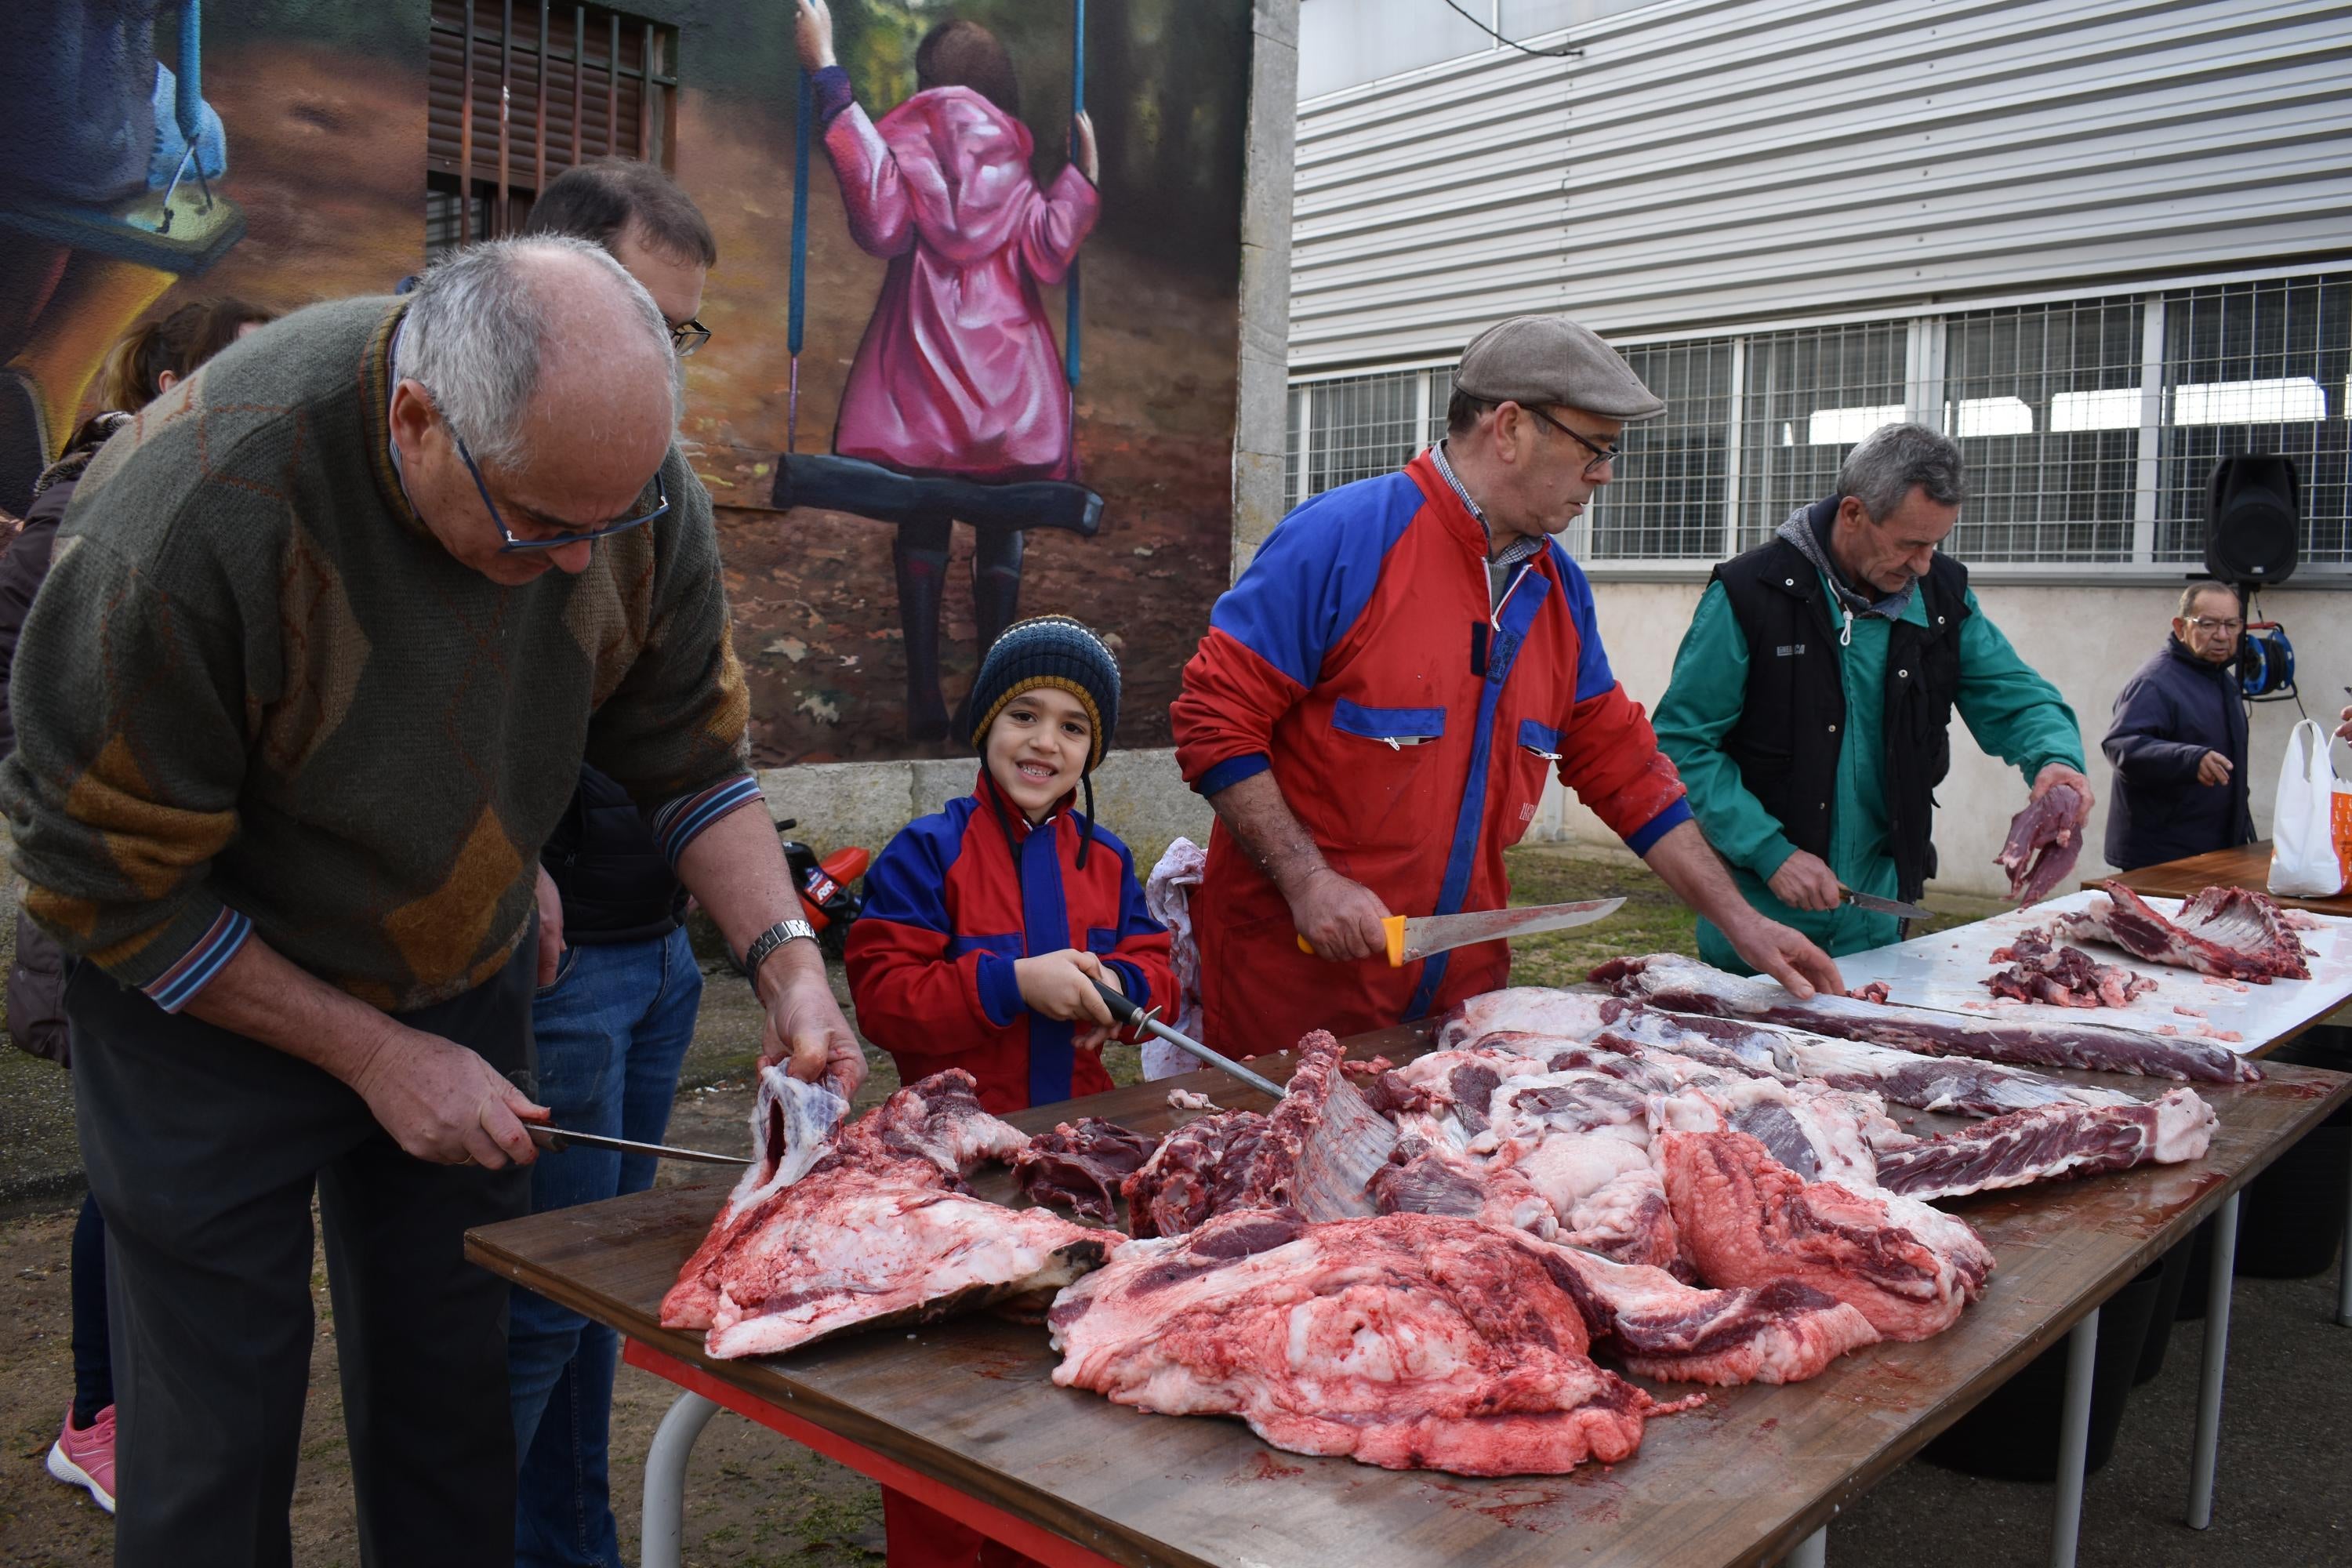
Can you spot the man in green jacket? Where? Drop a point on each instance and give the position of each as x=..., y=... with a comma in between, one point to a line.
x=1812, y=697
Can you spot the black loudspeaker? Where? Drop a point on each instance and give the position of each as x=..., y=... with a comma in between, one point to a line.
x=2254, y=518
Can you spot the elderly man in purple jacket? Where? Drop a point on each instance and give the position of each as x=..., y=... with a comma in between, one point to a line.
x=2179, y=741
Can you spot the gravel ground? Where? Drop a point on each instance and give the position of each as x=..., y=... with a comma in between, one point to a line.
x=2285, y=1494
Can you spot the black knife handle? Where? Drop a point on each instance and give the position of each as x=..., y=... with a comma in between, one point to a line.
x=1124, y=1009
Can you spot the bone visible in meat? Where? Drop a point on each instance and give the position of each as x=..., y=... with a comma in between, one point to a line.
x=1317, y=1153
x=1748, y=1220
x=2062, y=976
x=2052, y=1141
x=1407, y=1340
x=1191, y=1100
x=877, y=1231
x=1198, y=1172
x=1686, y=985
x=2235, y=933
x=1080, y=1165
x=2044, y=841
x=1664, y=1329
x=1426, y=1177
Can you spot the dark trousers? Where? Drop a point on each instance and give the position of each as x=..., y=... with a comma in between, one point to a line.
x=205, y=1149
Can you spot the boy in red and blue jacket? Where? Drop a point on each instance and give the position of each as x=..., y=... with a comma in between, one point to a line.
x=987, y=924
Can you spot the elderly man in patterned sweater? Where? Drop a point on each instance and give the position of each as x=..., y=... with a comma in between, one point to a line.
x=330, y=632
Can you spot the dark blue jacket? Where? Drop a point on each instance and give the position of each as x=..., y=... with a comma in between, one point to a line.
x=2174, y=709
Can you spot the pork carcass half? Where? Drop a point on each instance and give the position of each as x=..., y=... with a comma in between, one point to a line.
x=1960, y=1084
x=1410, y=1341
x=876, y=1231
x=2233, y=932
x=2060, y=975
x=1682, y=984
x=2044, y=841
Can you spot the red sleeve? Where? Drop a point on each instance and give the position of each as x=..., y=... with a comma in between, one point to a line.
x=1610, y=757
x=914, y=998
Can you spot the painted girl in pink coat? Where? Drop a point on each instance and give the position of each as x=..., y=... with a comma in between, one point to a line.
x=958, y=374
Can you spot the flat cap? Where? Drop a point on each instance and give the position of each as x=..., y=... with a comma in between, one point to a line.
x=1550, y=359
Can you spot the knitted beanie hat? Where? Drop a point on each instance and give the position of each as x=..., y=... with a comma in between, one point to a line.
x=1049, y=650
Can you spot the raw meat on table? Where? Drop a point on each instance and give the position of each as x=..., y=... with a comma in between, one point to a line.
x=1748, y=1220
x=1318, y=1152
x=1661, y=1328
x=875, y=1230
x=1411, y=1342
x=2051, y=1142
x=1686, y=985
x=1080, y=1165
x=1740, y=1045
x=2044, y=841
x=2063, y=977
x=2235, y=933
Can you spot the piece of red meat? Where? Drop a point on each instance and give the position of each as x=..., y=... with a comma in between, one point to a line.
x=2044, y=841
x=1662, y=1328
x=2047, y=1142
x=875, y=1230
x=1679, y=984
x=2062, y=976
x=1198, y=1172
x=1406, y=1340
x=2235, y=933
x=1080, y=1165
x=1748, y=1220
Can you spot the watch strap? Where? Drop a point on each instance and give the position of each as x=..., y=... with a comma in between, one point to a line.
x=768, y=941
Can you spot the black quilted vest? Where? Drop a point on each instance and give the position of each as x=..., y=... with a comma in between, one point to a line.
x=616, y=884
x=1787, y=740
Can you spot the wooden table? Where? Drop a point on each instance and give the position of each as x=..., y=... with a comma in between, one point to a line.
x=2247, y=866
x=965, y=1415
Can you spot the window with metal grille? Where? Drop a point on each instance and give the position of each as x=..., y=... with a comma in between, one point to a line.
x=521, y=90
x=1809, y=397
x=2258, y=367
x=1666, y=499
x=2090, y=428
x=1355, y=427
x=2046, y=404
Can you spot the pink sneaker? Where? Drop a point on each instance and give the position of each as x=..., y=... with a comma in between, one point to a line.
x=86, y=1458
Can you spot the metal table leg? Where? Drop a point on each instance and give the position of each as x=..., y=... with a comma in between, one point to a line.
x=2217, y=1356
x=1813, y=1552
x=2073, y=1439
x=664, y=1515
x=2344, y=1269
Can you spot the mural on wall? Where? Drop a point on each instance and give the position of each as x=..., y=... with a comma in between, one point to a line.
x=933, y=440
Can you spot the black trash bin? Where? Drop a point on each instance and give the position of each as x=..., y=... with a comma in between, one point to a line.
x=2013, y=1434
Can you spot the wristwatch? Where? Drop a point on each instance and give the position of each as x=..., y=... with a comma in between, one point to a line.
x=768, y=941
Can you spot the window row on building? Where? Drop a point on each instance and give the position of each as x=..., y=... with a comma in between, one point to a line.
x=2090, y=427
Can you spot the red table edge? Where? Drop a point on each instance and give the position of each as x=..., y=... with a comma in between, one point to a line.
x=1054, y=1550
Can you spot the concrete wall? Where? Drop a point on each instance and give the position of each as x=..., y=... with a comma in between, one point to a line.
x=1139, y=795
x=2087, y=640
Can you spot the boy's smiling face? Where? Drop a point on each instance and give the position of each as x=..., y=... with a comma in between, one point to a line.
x=1036, y=748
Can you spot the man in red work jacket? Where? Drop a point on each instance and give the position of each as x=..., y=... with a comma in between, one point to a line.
x=1373, y=710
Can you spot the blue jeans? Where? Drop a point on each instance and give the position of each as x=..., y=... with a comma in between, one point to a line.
x=612, y=1032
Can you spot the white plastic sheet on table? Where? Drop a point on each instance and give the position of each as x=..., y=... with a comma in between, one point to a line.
x=1947, y=971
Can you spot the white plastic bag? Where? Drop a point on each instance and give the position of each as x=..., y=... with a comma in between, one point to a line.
x=1169, y=896
x=2303, y=859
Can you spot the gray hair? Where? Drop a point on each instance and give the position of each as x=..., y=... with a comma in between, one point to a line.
x=1892, y=460
x=2207, y=585
x=477, y=327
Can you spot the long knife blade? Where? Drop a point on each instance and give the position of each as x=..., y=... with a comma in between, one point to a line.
x=548, y=1137
x=1879, y=906
x=1437, y=933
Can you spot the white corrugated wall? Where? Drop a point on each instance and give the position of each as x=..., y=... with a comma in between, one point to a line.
x=1709, y=162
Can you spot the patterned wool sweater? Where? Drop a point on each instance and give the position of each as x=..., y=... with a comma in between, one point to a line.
x=256, y=695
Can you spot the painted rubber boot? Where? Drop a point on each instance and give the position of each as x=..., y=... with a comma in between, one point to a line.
x=922, y=577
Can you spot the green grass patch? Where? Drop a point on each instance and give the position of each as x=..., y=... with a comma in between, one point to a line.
x=1653, y=921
